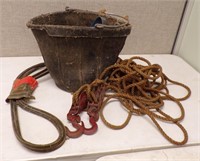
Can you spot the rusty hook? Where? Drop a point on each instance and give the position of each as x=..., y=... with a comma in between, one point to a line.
x=77, y=133
x=93, y=129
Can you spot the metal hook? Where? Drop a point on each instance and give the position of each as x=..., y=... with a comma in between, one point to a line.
x=78, y=132
x=93, y=129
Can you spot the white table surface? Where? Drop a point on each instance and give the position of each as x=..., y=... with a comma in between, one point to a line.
x=191, y=153
x=139, y=135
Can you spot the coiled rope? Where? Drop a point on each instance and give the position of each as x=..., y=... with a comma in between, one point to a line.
x=141, y=89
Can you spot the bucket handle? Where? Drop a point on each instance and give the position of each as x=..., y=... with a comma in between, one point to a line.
x=103, y=13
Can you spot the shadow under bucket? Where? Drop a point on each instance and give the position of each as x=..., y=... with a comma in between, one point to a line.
x=78, y=45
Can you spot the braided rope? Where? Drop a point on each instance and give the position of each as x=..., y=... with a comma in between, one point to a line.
x=142, y=90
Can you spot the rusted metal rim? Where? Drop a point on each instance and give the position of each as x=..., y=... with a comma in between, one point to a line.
x=115, y=26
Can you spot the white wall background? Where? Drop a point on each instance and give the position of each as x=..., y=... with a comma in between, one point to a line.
x=155, y=23
x=190, y=45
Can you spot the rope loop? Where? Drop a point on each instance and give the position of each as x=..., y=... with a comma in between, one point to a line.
x=142, y=90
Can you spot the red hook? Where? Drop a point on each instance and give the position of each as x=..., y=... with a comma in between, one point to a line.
x=93, y=129
x=78, y=132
